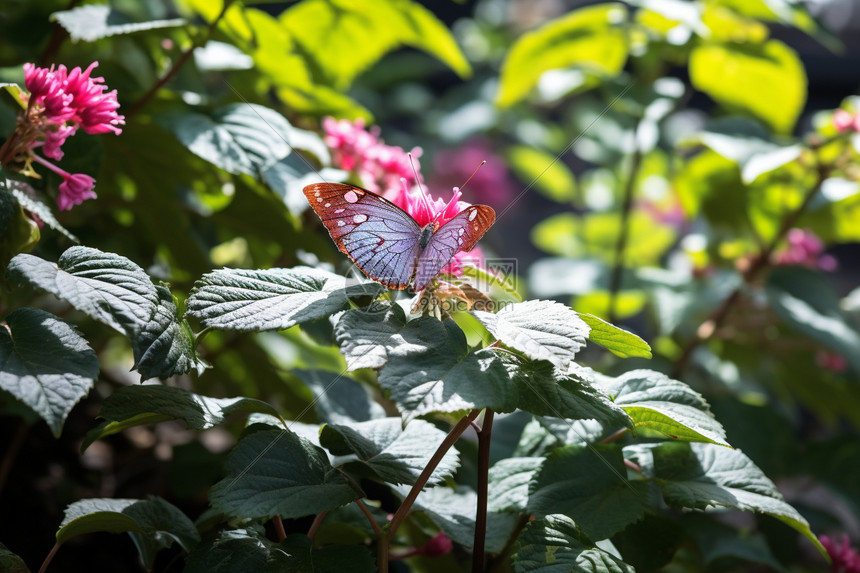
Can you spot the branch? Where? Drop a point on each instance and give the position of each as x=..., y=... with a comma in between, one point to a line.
x=403, y=510
x=760, y=263
x=184, y=57
x=478, y=557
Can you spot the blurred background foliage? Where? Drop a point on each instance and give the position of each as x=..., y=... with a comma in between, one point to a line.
x=673, y=166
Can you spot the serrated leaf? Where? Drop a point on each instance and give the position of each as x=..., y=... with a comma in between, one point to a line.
x=365, y=334
x=166, y=344
x=540, y=329
x=590, y=486
x=589, y=40
x=107, y=287
x=21, y=192
x=339, y=399
x=496, y=285
x=704, y=476
x=149, y=404
x=154, y=524
x=385, y=450
x=546, y=391
x=555, y=545
x=238, y=138
x=430, y=369
x=275, y=472
x=656, y=402
x=772, y=73
x=509, y=480
x=245, y=551
x=617, y=340
x=274, y=299
x=45, y=364
x=454, y=513
x=93, y=22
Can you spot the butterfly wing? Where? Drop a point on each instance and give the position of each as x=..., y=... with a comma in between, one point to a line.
x=459, y=234
x=379, y=237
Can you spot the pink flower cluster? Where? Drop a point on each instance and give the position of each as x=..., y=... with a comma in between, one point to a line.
x=846, y=121
x=380, y=167
x=386, y=170
x=805, y=248
x=845, y=558
x=60, y=102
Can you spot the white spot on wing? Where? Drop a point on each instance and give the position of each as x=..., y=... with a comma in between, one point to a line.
x=459, y=241
x=461, y=230
x=350, y=196
x=328, y=204
x=340, y=223
x=473, y=214
x=338, y=211
x=319, y=199
x=359, y=218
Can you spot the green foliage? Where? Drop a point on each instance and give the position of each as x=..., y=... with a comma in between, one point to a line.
x=710, y=233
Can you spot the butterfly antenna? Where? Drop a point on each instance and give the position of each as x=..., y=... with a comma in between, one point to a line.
x=484, y=162
x=418, y=183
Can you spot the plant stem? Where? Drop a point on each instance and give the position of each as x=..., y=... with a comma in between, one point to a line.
x=12, y=451
x=366, y=512
x=279, y=527
x=624, y=232
x=50, y=556
x=316, y=524
x=760, y=263
x=406, y=505
x=614, y=436
x=184, y=57
x=478, y=557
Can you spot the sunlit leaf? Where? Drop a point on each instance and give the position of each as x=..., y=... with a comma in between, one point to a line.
x=617, y=340
x=548, y=174
x=45, y=364
x=93, y=22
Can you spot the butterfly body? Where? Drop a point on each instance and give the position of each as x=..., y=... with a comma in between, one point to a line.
x=385, y=242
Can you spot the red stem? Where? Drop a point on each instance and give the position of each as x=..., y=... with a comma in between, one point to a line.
x=478, y=556
x=48, y=559
x=279, y=527
x=316, y=524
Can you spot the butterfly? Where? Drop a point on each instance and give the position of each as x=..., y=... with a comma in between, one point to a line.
x=385, y=242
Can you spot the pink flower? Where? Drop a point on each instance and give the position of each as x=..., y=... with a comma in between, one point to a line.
x=843, y=120
x=380, y=167
x=75, y=190
x=806, y=249
x=845, y=558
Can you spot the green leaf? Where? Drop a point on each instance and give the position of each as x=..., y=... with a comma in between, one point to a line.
x=548, y=175
x=45, y=364
x=339, y=399
x=131, y=406
x=804, y=299
x=247, y=551
x=430, y=369
x=290, y=175
x=11, y=563
x=617, y=340
x=238, y=138
x=656, y=402
x=93, y=22
x=509, y=480
x=343, y=39
x=22, y=193
x=454, y=512
x=540, y=329
x=590, y=486
x=275, y=472
x=365, y=334
x=166, y=345
x=590, y=40
x=154, y=524
x=772, y=76
x=703, y=476
x=554, y=544
x=107, y=287
x=16, y=92
x=548, y=391
x=496, y=285
x=273, y=299
x=384, y=450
